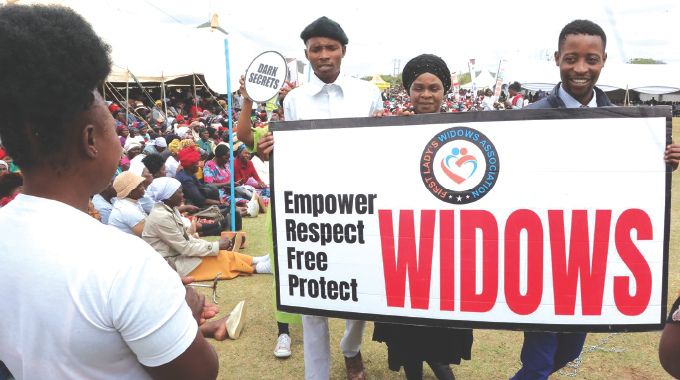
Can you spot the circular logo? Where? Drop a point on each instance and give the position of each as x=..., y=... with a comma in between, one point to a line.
x=459, y=165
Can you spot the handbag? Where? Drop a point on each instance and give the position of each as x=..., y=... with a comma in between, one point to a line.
x=212, y=213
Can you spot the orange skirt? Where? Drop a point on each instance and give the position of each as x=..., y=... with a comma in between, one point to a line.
x=230, y=264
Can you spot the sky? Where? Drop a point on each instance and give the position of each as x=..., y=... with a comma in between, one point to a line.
x=381, y=32
x=383, y=36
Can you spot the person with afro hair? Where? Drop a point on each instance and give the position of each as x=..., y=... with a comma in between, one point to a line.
x=105, y=305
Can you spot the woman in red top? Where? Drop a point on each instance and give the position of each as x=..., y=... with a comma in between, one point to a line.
x=244, y=169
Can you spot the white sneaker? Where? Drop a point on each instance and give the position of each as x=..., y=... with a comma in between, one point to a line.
x=252, y=207
x=236, y=319
x=282, y=349
x=263, y=267
x=259, y=259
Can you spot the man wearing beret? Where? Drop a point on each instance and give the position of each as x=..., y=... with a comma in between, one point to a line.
x=330, y=95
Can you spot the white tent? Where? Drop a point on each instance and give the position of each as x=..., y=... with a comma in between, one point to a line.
x=156, y=52
x=484, y=79
x=648, y=79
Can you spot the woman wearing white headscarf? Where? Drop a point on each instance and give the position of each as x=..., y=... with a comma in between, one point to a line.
x=200, y=259
x=4, y=168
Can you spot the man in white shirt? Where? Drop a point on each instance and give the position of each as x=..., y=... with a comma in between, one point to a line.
x=82, y=300
x=488, y=101
x=330, y=95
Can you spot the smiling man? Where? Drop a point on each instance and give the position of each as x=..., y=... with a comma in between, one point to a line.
x=580, y=56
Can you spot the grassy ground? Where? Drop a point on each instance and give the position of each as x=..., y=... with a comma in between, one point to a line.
x=495, y=353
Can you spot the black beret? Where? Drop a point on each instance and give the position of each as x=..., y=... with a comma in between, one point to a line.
x=515, y=86
x=324, y=27
x=426, y=63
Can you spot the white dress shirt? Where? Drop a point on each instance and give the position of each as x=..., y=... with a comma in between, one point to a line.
x=346, y=97
x=570, y=102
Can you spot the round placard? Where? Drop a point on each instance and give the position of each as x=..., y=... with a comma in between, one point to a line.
x=265, y=76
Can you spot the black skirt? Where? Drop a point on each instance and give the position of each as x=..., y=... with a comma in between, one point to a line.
x=409, y=343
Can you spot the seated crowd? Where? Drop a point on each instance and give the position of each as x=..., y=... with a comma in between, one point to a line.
x=173, y=185
x=118, y=311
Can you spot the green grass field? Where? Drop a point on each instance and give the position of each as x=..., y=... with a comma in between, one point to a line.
x=495, y=353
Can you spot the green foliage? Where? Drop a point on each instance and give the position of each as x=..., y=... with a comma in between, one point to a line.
x=645, y=61
x=464, y=78
x=392, y=80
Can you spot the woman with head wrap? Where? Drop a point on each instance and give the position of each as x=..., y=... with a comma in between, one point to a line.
x=127, y=214
x=4, y=168
x=426, y=79
x=165, y=231
x=123, y=164
x=244, y=170
x=182, y=131
x=123, y=134
x=172, y=162
x=205, y=143
x=216, y=172
x=189, y=143
x=144, y=133
x=156, y=145
x=198, y=194
x=11, y=166
x=132, y=148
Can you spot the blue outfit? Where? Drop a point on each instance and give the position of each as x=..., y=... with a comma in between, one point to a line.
x=193, y=191
x=546, y=352
x=4, y=372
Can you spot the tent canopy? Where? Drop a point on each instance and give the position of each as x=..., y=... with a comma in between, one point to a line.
x=148, y=49
x=379, y=82
x=648, y=79
x=483, y=79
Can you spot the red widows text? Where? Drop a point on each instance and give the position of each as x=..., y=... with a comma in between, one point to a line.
x=579, y=259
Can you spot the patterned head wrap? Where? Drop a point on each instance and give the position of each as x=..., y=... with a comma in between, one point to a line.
x=426, y=63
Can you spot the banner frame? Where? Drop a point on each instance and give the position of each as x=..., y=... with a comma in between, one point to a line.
x=488, y=116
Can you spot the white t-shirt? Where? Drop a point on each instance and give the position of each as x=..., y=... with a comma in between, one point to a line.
x=346, y=97
x=487, y=103
x=126, y=214
x=103, y=207
x=83, y=300
x=261, y=168
x=136, y=164
x=146, y=202
x=171, y=167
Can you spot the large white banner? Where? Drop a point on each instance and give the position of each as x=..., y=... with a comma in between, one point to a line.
x=536, y=219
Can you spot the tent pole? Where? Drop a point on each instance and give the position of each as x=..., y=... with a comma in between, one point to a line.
x=205, y=86
x=193, y=86
x=231, y=137
x=165, y=105
x=127, y=98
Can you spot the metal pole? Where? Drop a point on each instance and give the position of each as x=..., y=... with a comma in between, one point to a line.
x=165, y=105
x=193, y=80
x=127, y=98
x=231, y=137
